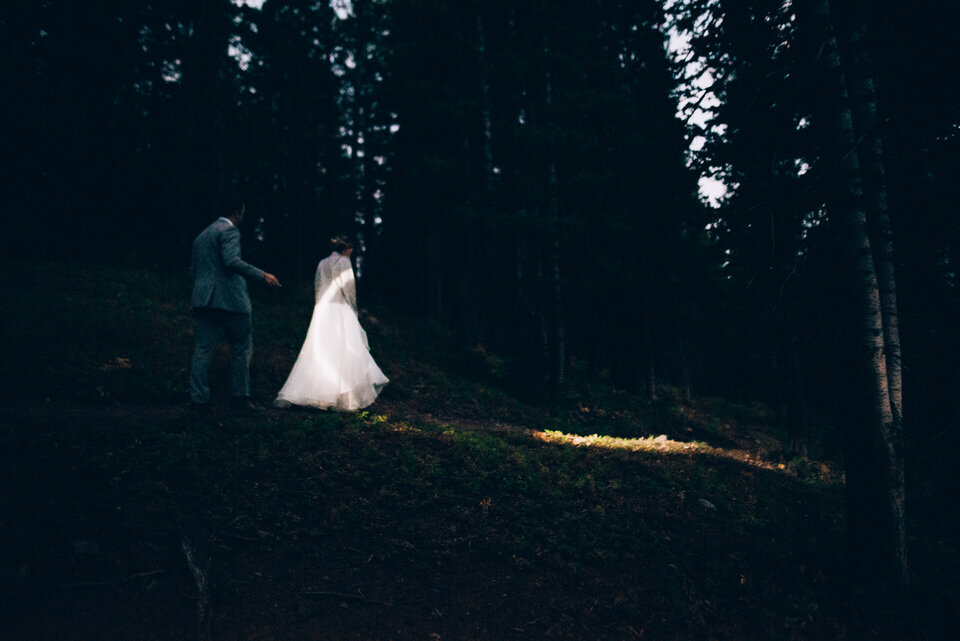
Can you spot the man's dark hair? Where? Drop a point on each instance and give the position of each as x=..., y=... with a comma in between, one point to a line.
x=229, y=204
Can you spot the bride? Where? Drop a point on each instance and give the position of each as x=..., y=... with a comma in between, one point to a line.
x=334, y=369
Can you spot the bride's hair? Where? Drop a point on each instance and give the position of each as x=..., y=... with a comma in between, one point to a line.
x=340, y=243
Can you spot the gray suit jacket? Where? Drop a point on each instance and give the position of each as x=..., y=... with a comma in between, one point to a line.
x=218, y=270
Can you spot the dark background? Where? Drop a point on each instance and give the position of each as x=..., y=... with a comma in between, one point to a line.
x=518, y=171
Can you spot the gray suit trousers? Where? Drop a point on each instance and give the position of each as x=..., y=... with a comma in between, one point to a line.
x=208, y=325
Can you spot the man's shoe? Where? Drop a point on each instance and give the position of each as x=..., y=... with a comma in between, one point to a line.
x=244, y=404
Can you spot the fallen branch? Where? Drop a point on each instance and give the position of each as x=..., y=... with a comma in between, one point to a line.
x=203, y=593
x=199, y=575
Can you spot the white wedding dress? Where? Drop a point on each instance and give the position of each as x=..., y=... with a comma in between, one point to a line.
x=334, y=369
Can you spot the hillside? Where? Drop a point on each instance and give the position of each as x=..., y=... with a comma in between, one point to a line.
x=452, y=509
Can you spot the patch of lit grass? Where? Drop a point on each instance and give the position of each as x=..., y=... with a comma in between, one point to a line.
x=659, y=443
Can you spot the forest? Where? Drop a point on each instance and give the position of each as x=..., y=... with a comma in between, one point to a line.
x=575, y=223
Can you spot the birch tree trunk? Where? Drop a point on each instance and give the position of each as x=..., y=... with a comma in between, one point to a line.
x=863, y=93
x=864, y=104
x=881, y=416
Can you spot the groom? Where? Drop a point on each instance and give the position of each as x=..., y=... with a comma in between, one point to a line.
x=221, y=304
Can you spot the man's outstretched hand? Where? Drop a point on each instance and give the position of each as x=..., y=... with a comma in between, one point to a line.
x=271, y=280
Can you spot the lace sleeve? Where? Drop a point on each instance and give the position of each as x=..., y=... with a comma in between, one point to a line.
x=348, y=284
x=318, y=283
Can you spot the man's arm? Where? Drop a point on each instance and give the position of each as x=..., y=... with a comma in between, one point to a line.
x=230, y=253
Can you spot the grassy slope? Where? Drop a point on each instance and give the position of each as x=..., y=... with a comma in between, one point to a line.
x=451, y=508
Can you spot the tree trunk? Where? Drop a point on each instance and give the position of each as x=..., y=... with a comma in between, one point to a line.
x=880, y=415
x=434, y=275
x=544, y=333
x=651, y=361
x=686, y=370
x=863, y=93
x=864, y=103
x=521, y=304
x=558, y=374
x=485, y=109
x=798, y=426
x=559, y=329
